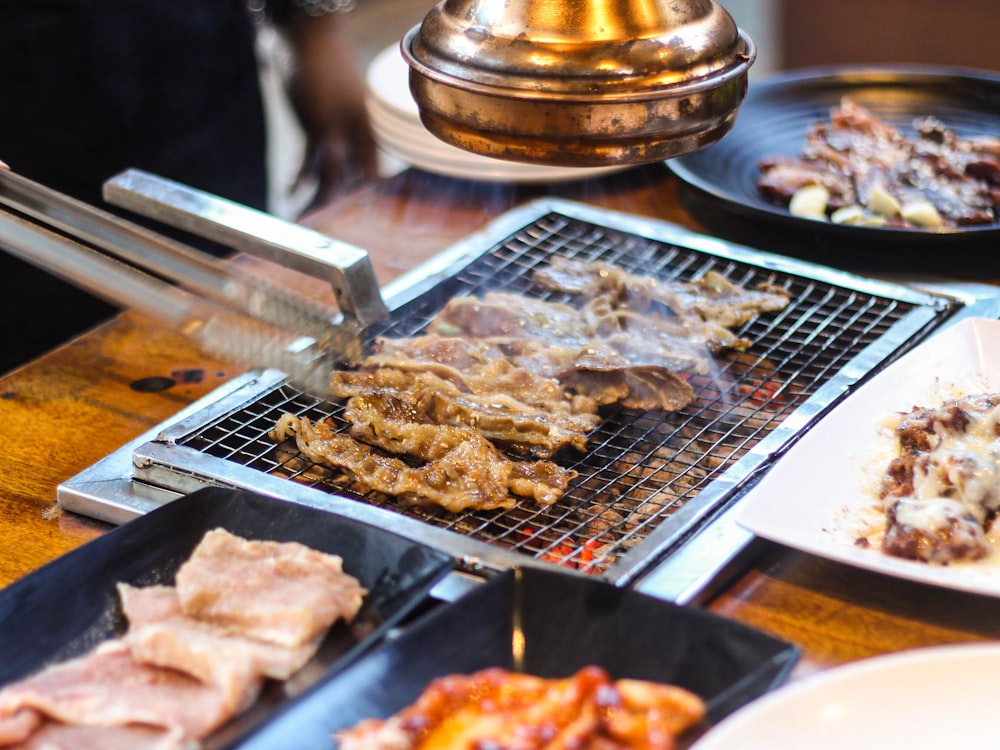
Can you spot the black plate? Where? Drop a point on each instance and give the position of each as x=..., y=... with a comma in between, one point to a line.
x=565, y=622
x=65, y=608
x=721, y=179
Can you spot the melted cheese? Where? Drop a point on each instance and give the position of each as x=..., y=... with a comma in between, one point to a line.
x=959, y=475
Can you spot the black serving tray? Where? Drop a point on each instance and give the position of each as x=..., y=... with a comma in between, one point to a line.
x=565, y=621
x=67, y=607
x=721, y=180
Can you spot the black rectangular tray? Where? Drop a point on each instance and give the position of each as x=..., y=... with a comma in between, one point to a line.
x=67, y=607
x=565, y=621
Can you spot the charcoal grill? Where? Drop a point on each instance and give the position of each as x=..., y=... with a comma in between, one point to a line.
x=649, y=483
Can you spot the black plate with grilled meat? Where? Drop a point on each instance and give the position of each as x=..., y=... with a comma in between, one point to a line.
x=721, y=181
x=64, y=609
x=545, y=623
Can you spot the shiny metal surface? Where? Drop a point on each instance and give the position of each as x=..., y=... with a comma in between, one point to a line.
x=578, y=83
x=229, y=312
x=841, y=328
x=346, y=267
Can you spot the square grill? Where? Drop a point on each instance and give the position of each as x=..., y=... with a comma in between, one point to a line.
x=648, y=477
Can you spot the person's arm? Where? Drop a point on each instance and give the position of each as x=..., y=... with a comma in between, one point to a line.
x=327, y=93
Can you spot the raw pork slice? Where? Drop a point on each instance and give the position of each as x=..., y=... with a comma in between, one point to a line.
x=280, y=592
x=55, y=736
x=159, y=633
x=18, y=726
x=107, y=687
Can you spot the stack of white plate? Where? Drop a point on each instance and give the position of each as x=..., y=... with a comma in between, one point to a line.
x=398, y=131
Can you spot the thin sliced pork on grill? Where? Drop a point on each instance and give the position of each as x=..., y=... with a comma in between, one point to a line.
x=469, y=473
x=444, y=418
x=512, y=417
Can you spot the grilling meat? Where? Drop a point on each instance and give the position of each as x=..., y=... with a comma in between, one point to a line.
x=942, y=492
x=496, y=708
x=469, y=472
x=441, y=418
x=711, y=298
x=519, y=420
x=860, y=159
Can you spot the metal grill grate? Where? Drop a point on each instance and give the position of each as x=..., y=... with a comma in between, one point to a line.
x=641, y=468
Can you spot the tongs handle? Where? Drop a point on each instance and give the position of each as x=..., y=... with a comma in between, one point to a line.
x=227, y=310
x=346, y=267
x=216, y=328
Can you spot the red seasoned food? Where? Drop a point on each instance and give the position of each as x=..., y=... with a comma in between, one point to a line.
x=496, y=708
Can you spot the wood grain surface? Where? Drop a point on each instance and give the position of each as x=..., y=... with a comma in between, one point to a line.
x=70, y=408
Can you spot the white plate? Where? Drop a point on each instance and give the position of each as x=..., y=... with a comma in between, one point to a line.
x=924, y=699
x=395, y=122
x=820, y=497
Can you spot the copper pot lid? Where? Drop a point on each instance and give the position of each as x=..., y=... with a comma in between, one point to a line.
x=578, y=82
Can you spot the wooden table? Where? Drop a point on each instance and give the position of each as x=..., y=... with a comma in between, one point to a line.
x=72, y=407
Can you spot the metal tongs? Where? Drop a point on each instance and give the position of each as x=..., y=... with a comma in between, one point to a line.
x=225, y=309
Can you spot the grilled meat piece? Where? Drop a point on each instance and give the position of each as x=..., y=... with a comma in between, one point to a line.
x=470, y=473
x=521, y=421
x=525, y=376
x=938, y=531
x=854, y=153
x=942, y=492
x=712, y=298
x=584, y=378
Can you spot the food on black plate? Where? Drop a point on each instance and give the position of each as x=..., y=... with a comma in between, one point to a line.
x=942, y=492
x=496, y=708
x=194, y=654
x=467, y=415
x=856, y=168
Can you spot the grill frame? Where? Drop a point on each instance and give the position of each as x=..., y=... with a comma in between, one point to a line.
x=167, y=463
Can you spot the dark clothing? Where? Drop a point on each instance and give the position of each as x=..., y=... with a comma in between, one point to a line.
x=91, y=87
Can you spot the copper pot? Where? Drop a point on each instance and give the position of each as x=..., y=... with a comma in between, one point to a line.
x=578, y=82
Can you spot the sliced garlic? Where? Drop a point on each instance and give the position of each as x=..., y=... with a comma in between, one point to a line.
x=873, y=221
x=810, y=202
x=882, y=203
x=922, y=213
x=854, y=214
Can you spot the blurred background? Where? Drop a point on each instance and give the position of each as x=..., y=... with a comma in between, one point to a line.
x=788, y=34
x=794, y=33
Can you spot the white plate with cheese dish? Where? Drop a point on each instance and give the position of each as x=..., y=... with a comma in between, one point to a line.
x=876, y=704
x=822, y=496
x=397, y=128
